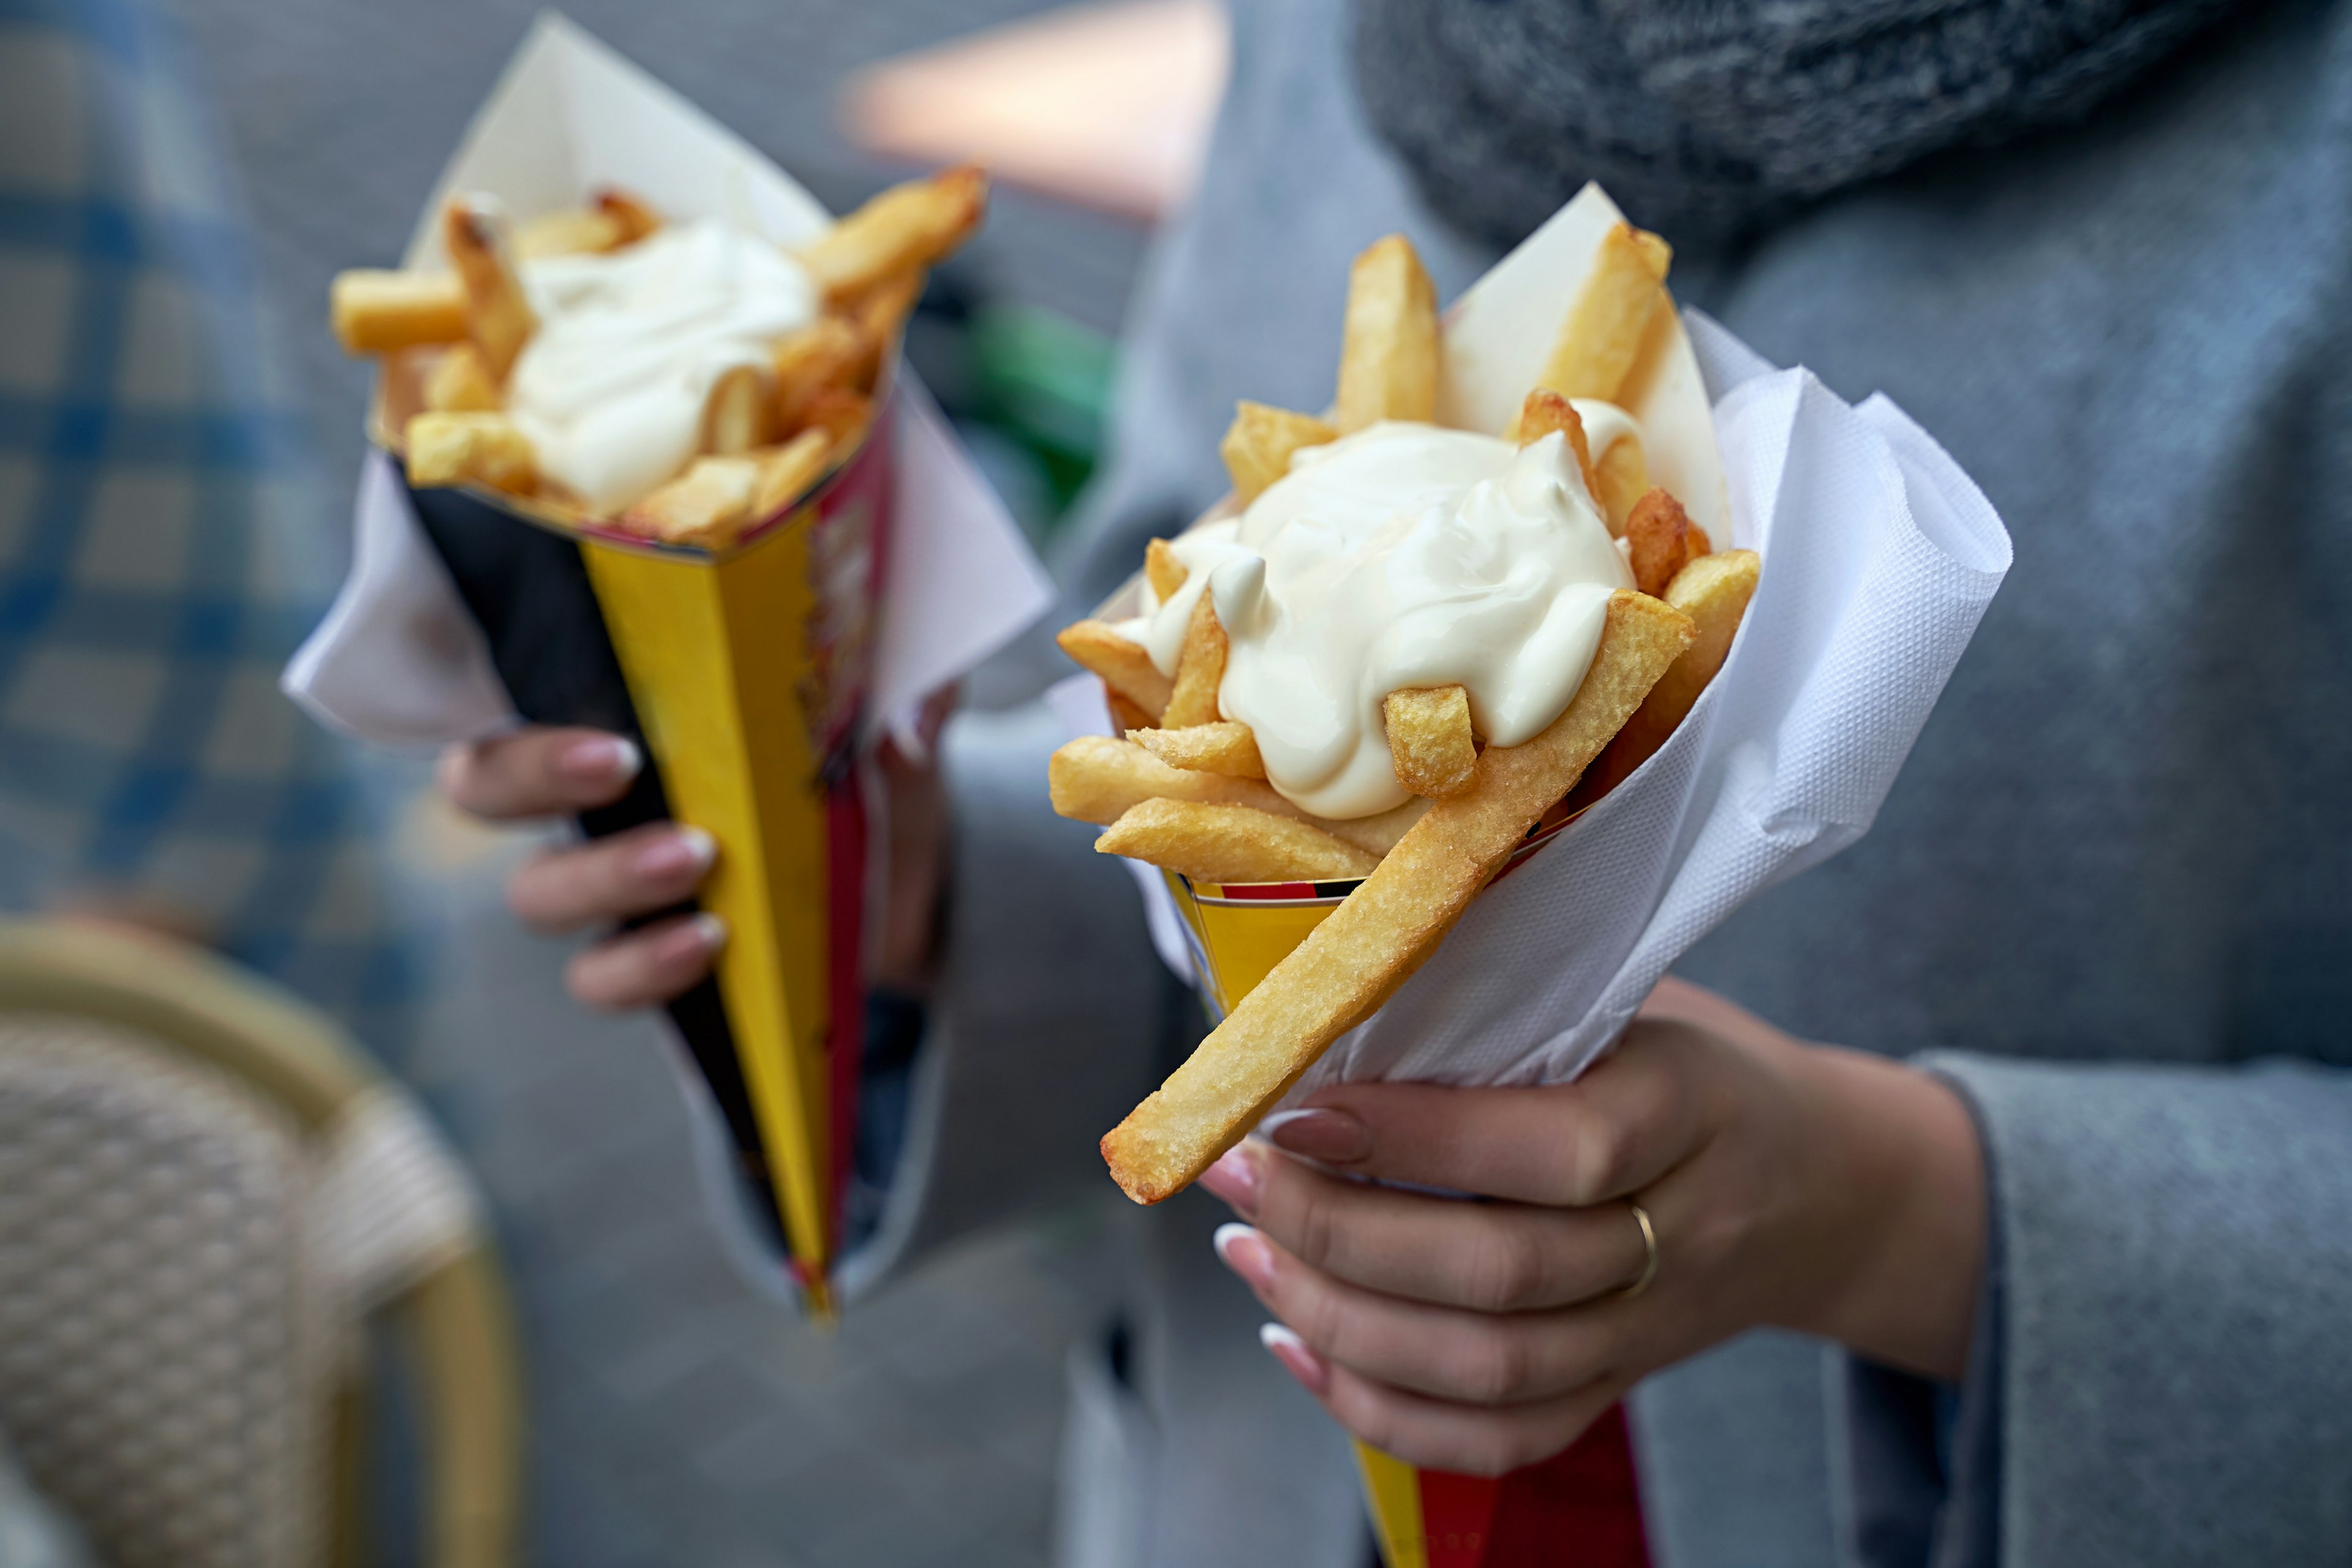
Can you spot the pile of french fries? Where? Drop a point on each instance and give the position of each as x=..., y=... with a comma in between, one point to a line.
x=769, y=433
x=1187, y=791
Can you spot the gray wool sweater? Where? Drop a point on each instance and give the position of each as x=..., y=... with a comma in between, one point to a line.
x=2111, y=895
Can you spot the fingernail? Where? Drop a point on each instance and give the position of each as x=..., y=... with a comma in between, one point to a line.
x=1245, y=1252
x=601, y=759
x=703, y=935
x=1334, y=1137
x=677, y=854
x=1311, y=1371
x=1235, y=1178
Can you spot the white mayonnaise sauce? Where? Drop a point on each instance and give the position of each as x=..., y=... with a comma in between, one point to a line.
x=611, y=388
x=1403, y=555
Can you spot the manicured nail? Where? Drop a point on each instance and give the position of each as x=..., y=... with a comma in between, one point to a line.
x=1235, y=1178
x=700, y=937
x=1312, y=1371
x=601, y=759
x=686, y=851
x=1334, y=1137
x=1245, y=1252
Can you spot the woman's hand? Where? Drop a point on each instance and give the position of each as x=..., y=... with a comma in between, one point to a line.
x=1788, y=1185
x=540, y=772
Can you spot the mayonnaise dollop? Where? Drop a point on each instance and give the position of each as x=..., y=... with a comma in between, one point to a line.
x=611, y=388
x=1403, y=555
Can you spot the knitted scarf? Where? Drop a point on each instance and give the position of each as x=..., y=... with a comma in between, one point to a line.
x=1704, y=118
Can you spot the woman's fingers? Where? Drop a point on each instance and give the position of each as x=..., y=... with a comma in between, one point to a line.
x=630, y=873
x=1487, y=1258
x=1634, y=1117
x=1470, y=1358
x=1437, y=1434
x=645, y=967
x=539, y=771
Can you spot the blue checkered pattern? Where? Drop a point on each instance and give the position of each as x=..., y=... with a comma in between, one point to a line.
x=162, y=546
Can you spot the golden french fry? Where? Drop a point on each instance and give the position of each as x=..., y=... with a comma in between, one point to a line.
x=735, y=413
x=1657, y=541
x=468, y=448
x=378, y=312
x=841, y=414
x=1200, y=671
x=788, y=472
x=1128, y=716
x=1388, y=352
x=1695, y=543
x=1096, y=779
x=459, y=384
x=1546, y=411
x=882, y=313
x=1597, y=342
x=1714, y=592
x=1430, y=740
x=1224, y=747
x=1374, y=940
x=1230, y=844
x=1163, y=570
x=497, y=316
x=905, y=228
x=1260, y=442
x=616, y=219
x=708, y=505
x=632, y=219
x=1121, y=663
x=1624, y=474
x=823, y=353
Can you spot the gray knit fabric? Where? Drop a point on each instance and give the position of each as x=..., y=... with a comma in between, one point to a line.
x=1703, y=117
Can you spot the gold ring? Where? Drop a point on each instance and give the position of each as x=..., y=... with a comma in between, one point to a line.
x=1649, y=1250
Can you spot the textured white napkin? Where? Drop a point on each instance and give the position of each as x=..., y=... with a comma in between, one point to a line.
x=398, y=660
x=1879, y=558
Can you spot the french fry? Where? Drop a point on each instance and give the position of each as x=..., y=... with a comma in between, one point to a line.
x=735, y=414
x=1128, y=716
x=882, y=315
x=1546, y=411
x=1221, y=748
x=459, y=384
x=469, y=448
x=1200, y=671
x=1388, y=352
x=1261, y=441
x=1603, y=329
x=1230, y=844
x=1372, y=943
x=1096, y=779
x=1657, y=539
x=841, y=414
x=823, y=353
x=788, y=471
x=632, y=219
x=1163, y=570
x=1714, y=590
x=1430, y=740
x=497, y=317
x=378, y=312
x=1121, y=663
x=615, y=220
x=905, y=228
x=708, y=505
x=1623, y=472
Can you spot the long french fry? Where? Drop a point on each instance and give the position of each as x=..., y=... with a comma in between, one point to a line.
x=378, y=312
x=1714, y=590
x=1546, y=411
x=1200, y=669
x=1622, y=473
x=497, y=316
x=882, y=311
x=616, y=219
x=468, y=448
x=1121, y=663
x=908, y=227
x=1261, y=441
x=632, y=219
x=1231, y=843
x=708, y=505
x=1430, y=740
x=1096, y=779
x=1163, y=570
x=1388, y=352
x=1657, y=541
x=459, y=384
x=823, y=353
x=787, y=472
x=1603, y=329
x=1221, y=748
x=1368, y=947
x=735, y=415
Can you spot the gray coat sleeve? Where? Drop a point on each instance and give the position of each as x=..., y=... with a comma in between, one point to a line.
x=2174, y=1382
